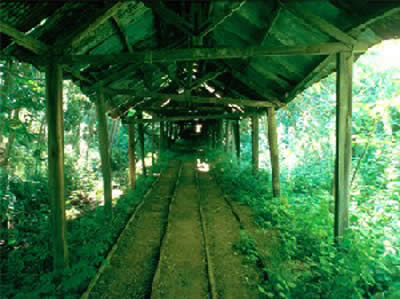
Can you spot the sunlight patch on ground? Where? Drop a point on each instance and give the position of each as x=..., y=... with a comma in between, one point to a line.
x=203, y=166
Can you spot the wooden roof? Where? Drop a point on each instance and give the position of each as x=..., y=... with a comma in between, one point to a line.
x=144, y=52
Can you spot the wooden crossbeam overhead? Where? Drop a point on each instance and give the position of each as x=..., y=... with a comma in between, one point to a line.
x=23, y=40
x=204, y=79
x=71, y=41
x=191, y=117
x=316, y=21
x=194, y=99
x=193, y=54
x=314, y=75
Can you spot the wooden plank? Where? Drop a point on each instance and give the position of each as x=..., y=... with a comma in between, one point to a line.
x=194, y=54
x=132, y=154
x=274, y=152
x=70, y=42
x=104, y=153
x=317, y=22
x=343, y=142
x=23, y=40
x=55, y=122
x=255, y=144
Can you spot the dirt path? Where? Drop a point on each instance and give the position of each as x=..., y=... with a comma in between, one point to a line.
x=233, y=279
x=182, y=269
x=133, y=265
x=181, y=244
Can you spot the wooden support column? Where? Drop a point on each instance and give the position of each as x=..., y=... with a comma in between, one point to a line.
x=343, y=141
x=227, y=135
x=254, y=143
x=237, y=139
x=153, y=147
x=104, y=152
x=55, y=122
x=141, y=143
x=132, y=154
x=274, y=152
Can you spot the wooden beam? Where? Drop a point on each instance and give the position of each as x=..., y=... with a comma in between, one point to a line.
x=255, y=144
x=343, y=142
x=122, y=34
x=314, y=75
x=55, y=122
x=193, y=54
x=104, y=153
x=204, y=79
x=317, y=22
x=193, y=99
x=23, y=40
x=274, y=152
x=189, y=117
x=132, y=154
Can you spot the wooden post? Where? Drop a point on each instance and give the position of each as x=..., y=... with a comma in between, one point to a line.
x=274, y=152
x=104, y=152
x=132, y=154
x=237, y=139
x=141, y=142
x=162, y=138
x=254, y=143
x=55, y=122
x=343, y=141
x=227, y=135
x=153, y=147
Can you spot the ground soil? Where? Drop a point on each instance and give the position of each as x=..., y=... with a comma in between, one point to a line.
x=182, y=271
x=233, y=278
x=163, y=253
x=133, y=265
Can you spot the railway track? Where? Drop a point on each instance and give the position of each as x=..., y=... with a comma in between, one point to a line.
x=181, y=244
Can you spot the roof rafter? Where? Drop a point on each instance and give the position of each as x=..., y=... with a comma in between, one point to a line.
x=314, y=75
x=23, y=40
x=122, y=34
x=71, y=41
x=209, y=27
x=324, y=26
x=169, y=16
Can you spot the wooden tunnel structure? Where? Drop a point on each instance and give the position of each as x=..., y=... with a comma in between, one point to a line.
x=214, y=61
